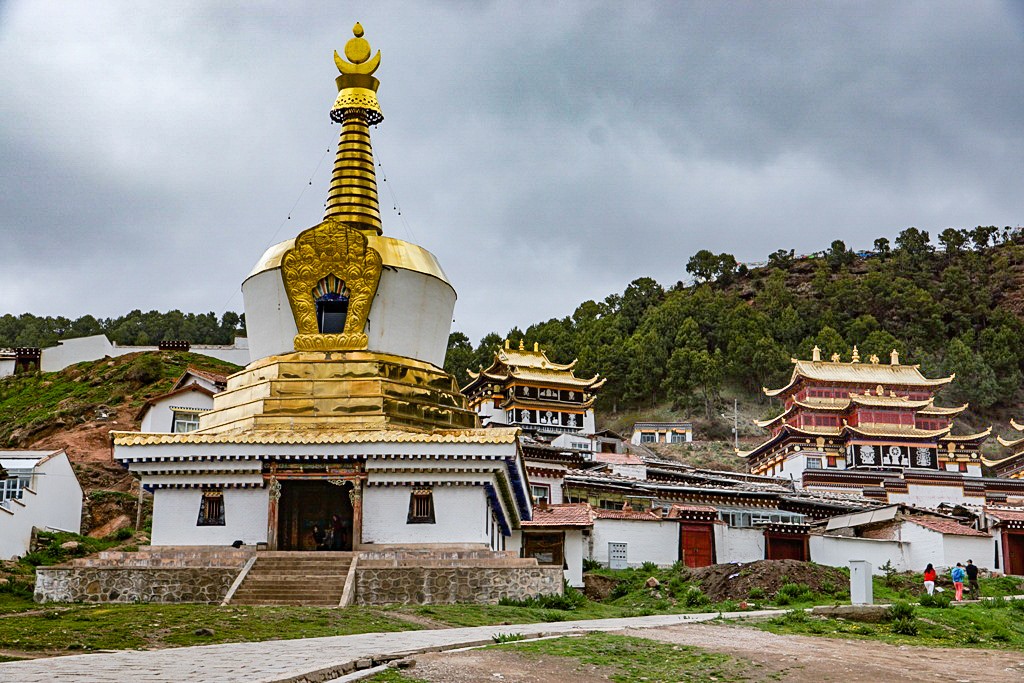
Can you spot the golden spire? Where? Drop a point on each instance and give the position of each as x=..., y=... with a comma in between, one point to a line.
x=352, y=197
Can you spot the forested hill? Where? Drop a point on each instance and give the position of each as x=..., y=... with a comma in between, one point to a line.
x=134, y=329
x=953, y=306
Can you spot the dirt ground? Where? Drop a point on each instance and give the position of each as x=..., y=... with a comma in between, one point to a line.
x=772, y=657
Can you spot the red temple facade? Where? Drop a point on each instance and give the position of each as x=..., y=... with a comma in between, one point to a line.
x=862, y=416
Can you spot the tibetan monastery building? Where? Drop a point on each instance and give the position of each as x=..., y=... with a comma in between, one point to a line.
x=1011, y=465
x=524, y=389
x=871, y=418
x=343, y=432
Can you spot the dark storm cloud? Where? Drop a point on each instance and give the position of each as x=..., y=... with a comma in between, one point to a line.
x=547, y=153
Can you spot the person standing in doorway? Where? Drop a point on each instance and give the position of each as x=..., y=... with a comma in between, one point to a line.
x=972, y=579
x=929, y=578
x=958, y=581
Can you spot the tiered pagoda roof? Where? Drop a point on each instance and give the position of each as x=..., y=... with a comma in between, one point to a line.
x=529, y=367
x=829, y=405
x=1011, y=465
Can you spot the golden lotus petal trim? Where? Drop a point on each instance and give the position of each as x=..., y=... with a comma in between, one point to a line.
x=331, y=248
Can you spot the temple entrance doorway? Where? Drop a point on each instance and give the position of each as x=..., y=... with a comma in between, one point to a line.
x=1014, y=545
x=315, y=515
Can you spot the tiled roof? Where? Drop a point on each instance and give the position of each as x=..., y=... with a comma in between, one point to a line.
x=860, y=373
x=482, y=436
x=567, y=514
x=214, y=377
x=946, y=526
x=618, y=458
x=174, y=392
x=1006, y=515
x=626, y=514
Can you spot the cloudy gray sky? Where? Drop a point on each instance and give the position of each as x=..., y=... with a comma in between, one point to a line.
x=546, y=152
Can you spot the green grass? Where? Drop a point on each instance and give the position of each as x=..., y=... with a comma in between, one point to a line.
x=623, y=658
x=32, y=401
x=991, y=626
x=632, y=659
x=118, y=627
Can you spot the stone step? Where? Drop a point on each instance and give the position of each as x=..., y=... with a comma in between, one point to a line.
x=290, y=603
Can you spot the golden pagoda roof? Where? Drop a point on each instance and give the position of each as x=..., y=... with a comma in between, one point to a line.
x=1009, y=444
x=312, y=436
x=769, y=422
x=988, y=462
x=1016, y=425
x=890, y=401
x=902, y=431
x=531, y=366
x=856, y=372
x=942, y=410
x=823, y=403
x=983, y=434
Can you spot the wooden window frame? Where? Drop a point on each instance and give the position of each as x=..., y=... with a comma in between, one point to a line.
x=211, y=508
x=421, y=507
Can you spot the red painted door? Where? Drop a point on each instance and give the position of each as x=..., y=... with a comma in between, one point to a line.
x=785, y=547
x=1014, y=553
x=696, y=544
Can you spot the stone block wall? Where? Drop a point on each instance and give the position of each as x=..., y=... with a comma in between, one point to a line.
x=133, y=584
x=439, y=585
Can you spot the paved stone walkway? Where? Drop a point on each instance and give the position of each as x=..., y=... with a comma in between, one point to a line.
x=307, y=660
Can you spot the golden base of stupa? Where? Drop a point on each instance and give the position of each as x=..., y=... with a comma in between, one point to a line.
x=339, y=391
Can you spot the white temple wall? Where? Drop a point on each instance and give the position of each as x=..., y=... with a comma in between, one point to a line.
x=461, y=513
x=410, y=316
x=70, y=351
x=554, y=484
x=160, y=417
x=932, y=496
x=588, y=422
x=962, y=548
x=54, y=501
x=176, y=513
x=647, y=541
x=738, y=544
x=574, y=549
x=837, y=551
x=8, y=365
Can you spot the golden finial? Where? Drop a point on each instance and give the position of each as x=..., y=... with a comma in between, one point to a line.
x=835, y=358
x=816, y=354
x=536, y=347
x=873, y=359
x=352, y=197
x=522, y=346
x=507, y=343
x=894, y=358
x=358, y=52
x=856, y=355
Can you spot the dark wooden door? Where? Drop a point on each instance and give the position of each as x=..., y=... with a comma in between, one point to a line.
x=546, y=548
x=1014, y=553
x=314, y=515
x=785, y=547
x=696, y=545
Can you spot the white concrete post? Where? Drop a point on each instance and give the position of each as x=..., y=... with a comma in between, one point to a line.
x=861, y=590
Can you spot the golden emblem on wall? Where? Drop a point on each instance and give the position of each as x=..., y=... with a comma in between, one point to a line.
x=331, y=249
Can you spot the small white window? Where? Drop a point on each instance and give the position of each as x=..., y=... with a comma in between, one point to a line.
x=541, y=492
x=648, y=437
x=185, y=421
x=814, y=463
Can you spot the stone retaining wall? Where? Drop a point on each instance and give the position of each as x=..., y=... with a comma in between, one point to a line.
x=438, y=585
x=133, y=584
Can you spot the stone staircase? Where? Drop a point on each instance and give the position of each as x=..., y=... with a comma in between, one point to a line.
x=295, y=578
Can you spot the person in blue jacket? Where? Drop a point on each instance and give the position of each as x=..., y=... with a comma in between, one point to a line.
x=958, y=581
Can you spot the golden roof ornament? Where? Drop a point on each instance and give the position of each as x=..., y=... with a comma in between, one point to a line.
x=352, y=197
x=856, y=355
x=894, y=358
x=873, y=359
x=835, y=358
x=816, y=354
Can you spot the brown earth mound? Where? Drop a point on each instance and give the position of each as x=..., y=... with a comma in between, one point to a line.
x=734, y=581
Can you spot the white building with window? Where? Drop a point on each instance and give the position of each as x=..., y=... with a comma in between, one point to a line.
x=661, y=432
x=179, y=409
x=38, y=489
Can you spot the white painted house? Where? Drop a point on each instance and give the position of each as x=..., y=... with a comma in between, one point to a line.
x=179, y=409
x=79, y=349
x=40, y=490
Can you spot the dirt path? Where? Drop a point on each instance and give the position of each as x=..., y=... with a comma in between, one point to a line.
x=801, y=659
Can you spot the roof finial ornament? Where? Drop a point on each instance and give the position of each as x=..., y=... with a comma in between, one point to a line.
x=894, y=358
x=536, y=347
x=856, y=354
x=358, y=52
x=508, y=344
x=522, y=345
x=873, y=359
x=816, y=354
x=835, y=358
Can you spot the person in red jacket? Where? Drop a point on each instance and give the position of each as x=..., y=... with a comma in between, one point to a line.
x=929, y=578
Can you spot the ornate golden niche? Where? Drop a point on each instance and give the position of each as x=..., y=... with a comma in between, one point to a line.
x=331, y=248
